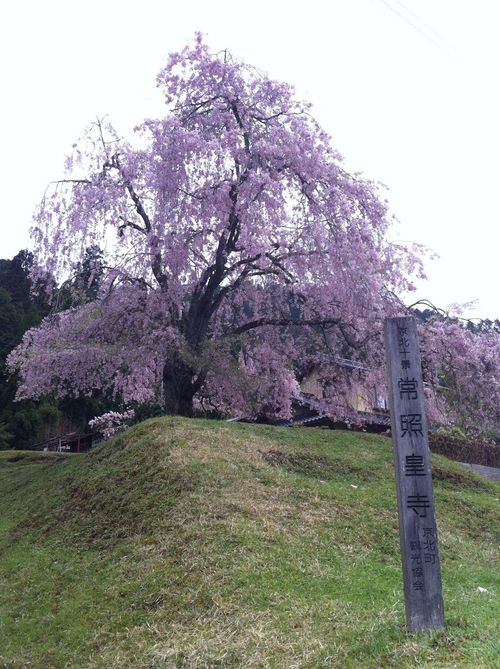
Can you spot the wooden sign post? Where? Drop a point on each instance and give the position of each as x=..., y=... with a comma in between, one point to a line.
x=417, y=523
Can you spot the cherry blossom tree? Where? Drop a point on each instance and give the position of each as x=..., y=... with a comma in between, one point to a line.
x=237, y=253
x=464, y=387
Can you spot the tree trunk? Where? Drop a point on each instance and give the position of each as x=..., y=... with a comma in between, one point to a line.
x=178, y=388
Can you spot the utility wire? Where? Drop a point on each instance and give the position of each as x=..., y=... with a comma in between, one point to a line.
x=426, y=25
x=410, y=23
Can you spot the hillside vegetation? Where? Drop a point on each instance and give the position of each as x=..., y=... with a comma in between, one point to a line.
x=199, y=544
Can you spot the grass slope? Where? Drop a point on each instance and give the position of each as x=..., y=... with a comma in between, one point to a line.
x=198, y=544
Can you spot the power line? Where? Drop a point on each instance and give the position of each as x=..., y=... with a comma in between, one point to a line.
x=410, y=23
x=426, y=25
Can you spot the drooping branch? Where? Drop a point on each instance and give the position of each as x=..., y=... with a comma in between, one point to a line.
x=134, y=196
x=283, y=322
x=350, y=340
x=156, y=266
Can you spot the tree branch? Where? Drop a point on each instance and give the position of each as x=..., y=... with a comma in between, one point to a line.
x=283, y=322
x=71, y=181
x=129, y=224
x=236, y=114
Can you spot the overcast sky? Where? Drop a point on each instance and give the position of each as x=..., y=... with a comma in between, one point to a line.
x=408, y=91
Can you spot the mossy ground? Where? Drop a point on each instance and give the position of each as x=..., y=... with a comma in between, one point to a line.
x=198, y=544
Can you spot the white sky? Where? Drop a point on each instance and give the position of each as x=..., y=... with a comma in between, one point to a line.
x=416, y=107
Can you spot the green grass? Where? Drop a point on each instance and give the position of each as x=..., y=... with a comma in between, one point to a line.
x=198, y=544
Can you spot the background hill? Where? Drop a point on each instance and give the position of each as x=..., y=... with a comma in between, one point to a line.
x=201, y=544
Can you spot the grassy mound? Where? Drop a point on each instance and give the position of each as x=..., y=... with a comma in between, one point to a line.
x=199, y=544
